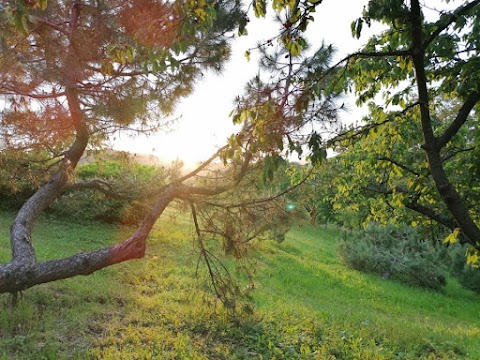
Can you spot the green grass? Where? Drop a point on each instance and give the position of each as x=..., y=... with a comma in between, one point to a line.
x=308, y=305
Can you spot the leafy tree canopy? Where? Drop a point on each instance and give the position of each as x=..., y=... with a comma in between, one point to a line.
x=419, y=79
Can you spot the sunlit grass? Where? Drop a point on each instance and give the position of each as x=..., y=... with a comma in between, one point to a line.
x=308, y=305
x=310, y=274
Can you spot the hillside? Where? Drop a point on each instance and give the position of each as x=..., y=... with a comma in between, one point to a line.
x=306, y=305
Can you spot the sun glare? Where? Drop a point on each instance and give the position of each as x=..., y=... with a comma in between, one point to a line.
x=202, y=128
x=204, y=124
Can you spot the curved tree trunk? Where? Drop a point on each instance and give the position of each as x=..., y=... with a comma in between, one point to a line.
x=23, y=265
x=17, y=276
x=433, y=145
x=24, y=271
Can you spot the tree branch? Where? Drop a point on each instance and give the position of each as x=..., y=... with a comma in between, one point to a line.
x=401, y=166
x=412, y=204
x=183, y=191
x=118, y=73
x=456, y=152
x=443, y=24
x=460, y=119
x=353, y=133
x=50, y=24
x=267, y=199
x=101, y=186
x=431, y=214
x=12, y=91
x=372, y=54
x=16, y=276
x=201, y=166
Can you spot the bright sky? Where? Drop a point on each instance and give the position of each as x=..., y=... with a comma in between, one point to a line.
x=204, y=124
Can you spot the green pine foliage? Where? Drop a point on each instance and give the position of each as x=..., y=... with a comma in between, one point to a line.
x=20, y=175
x=467, y=275
x=126, y=177
x=397, y=252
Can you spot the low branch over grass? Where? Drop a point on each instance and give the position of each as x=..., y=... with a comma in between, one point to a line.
x=20, y=275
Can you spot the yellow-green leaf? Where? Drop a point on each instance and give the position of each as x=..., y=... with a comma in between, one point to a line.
x=201, y=13
x=473, y=258
x=107, y=68
x=43, y=4
x=452, y=238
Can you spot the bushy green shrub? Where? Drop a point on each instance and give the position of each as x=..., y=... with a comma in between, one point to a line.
x=20, y=175
x=13, y=200
x=126, y=177
x=88, y=205
x=397, y=252
x=468, y=276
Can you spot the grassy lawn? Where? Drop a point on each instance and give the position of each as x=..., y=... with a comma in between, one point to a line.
x=307, y=305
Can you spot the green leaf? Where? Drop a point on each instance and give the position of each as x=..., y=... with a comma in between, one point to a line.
x=356, y=28
x=242, y=26
x=260, y=8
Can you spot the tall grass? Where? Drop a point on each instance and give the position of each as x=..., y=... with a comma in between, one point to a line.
x=308, y=305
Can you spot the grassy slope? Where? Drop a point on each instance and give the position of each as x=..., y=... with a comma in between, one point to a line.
x=308, y=305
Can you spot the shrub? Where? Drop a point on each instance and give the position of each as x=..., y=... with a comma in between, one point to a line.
x=20, y=175
x=125, y=176
x=396, y=252
x=468, y=276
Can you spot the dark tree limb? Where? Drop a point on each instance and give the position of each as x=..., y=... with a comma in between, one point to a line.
x=23, y=252
x=372, y=54
x=265, y=199
x=412, y=203
x=452, y=154
x=363, y=129
x=401, y=166
x=202, y=166
x=100, y=186
x=459, y=120
x=430, y=213
x=7, y=90
x=447, y=191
